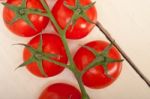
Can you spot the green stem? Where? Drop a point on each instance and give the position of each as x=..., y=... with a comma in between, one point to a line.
x=64, y=40
x=82, y=88
x=51, y=17
x=62, y=33
x=92, y=64
x=88, y=67
x=74, y=70
x=56, y=62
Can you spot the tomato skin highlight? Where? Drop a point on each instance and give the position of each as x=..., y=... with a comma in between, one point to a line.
x=60, y=91
x=96, y=77
x=81, y=27
x=20, y=27
x=51, y=44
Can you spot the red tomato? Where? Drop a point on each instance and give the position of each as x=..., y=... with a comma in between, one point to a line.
x=81, y=27
x=60, y=91
x=96, y=77
x=51, y=44
x=20, y=27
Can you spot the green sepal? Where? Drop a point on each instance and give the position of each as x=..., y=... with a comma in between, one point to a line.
x=37, y=56
x=77, y=3
x=55, y=62
x=23, y=5
x=89, y=6
x=107, y=49
x=79, y=12
x=27, y=20
x=17, y=10
x=12, y=7
x=102, y=58
x=31, y=60
x=91, y=49
x=111, y=60
x=13, y=21
x=85, y=17
x=40, y=66
x=106, y=70
x=31, y=49
x=40, y=44
x=69, y=6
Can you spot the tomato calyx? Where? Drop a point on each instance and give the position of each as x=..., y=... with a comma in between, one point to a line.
x=102, y=59
x=21, y=12
x=80, y=11
x=37, y=56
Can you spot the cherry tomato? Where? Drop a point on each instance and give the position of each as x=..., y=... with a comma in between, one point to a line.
x=51, y=44
x=20, y=27
x=96, y=76
x=60, y=91
x=81, y=28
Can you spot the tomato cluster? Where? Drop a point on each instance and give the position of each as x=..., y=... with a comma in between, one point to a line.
x=17, y=22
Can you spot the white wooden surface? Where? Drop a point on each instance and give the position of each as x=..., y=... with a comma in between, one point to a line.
x=129, y=23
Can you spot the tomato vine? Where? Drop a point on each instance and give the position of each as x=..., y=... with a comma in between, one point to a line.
x=78, y=12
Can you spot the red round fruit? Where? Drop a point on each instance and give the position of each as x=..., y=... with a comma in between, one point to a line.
x=20, y=27
x=96, y=77
x=51, y=44
x=60, y=91
x=81, y=28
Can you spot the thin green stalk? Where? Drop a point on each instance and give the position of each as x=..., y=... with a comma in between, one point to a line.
x=72, y=65
x=51, y=17
x=88, y=67
x=64, y=40
x=92, y=64
x=74, y=70
x=78, y=76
